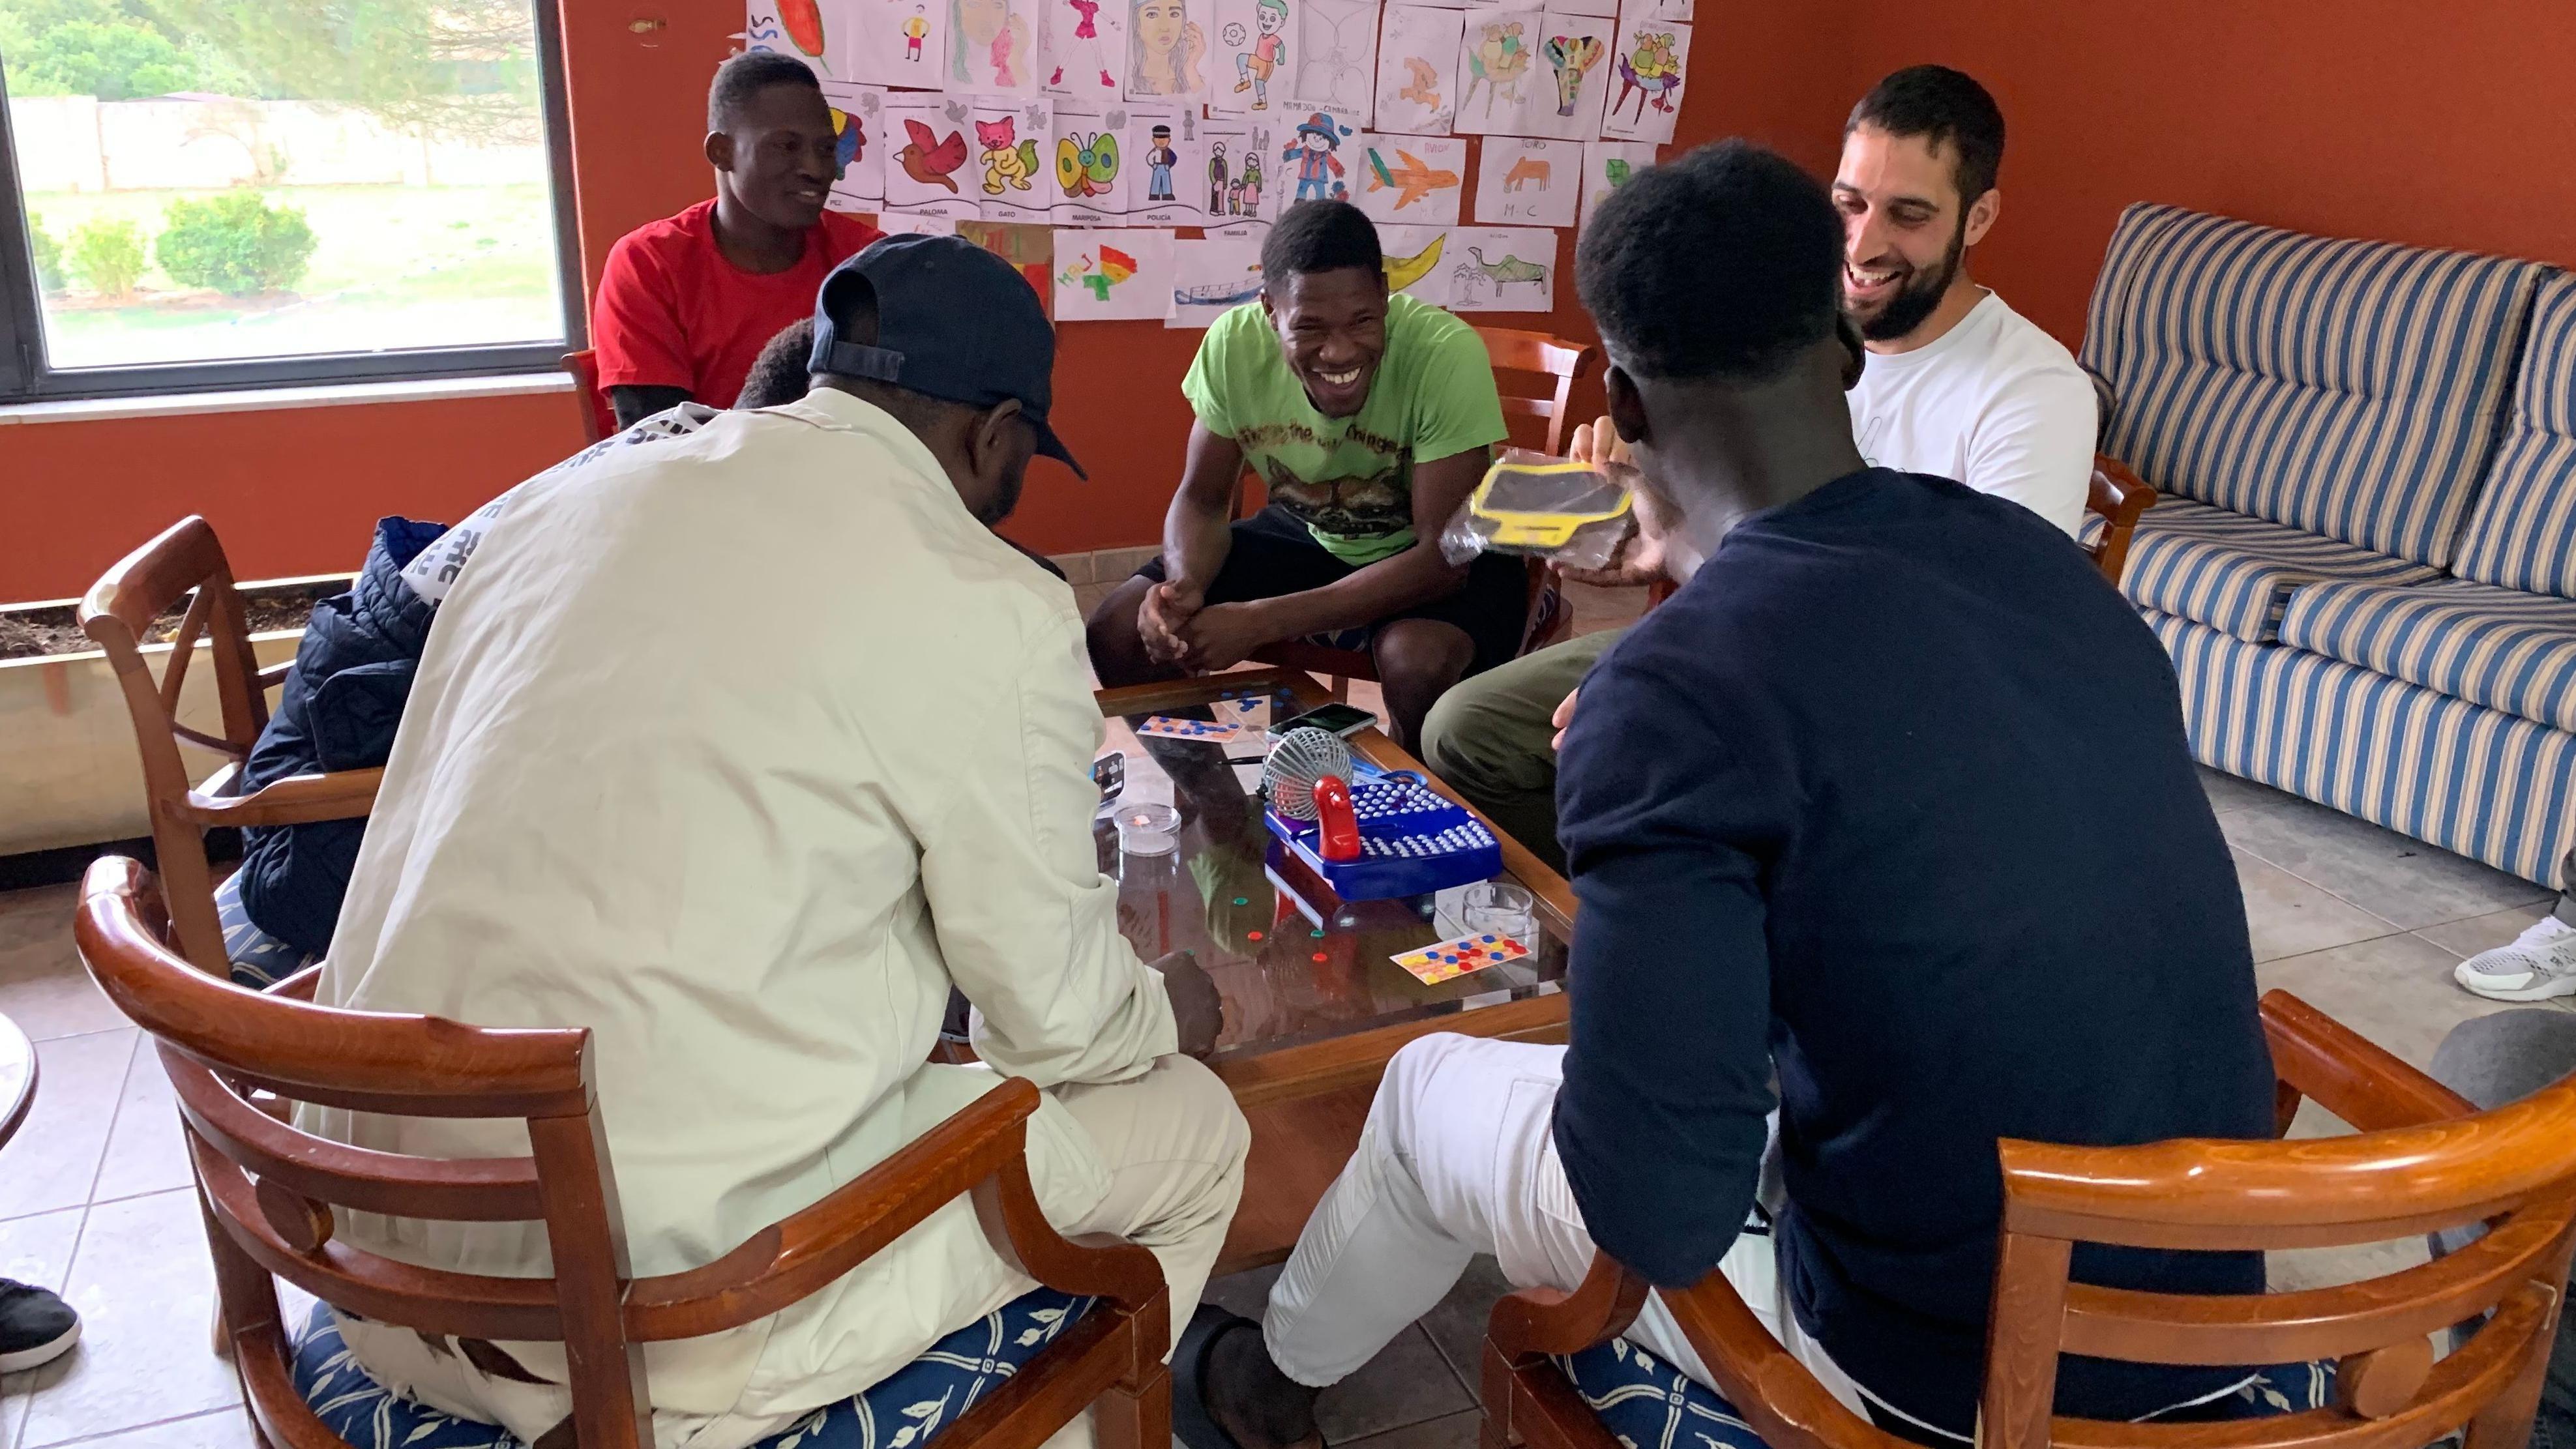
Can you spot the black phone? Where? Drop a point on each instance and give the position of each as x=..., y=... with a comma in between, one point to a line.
x=1334, y=719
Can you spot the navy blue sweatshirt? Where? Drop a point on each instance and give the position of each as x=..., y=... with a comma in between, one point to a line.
x=1894, y=796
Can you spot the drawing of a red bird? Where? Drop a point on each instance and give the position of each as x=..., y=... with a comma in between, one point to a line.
x=929, y=160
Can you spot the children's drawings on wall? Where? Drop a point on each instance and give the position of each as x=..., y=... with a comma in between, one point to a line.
x=1411, y=178
x=1664, y=10
x=1235, y=155
x=1417, y=70
x=1121, y=274
x=1250, y=75
x=1650, y=65
x=1084, y=47
x=1031, y=249
x=1167, y=49
x=1092, y=163
x=1161, y=144
x=1337, y=65
x=1607, y=166
x=858, y=123
x=1414, y=262
x=1573, y=56
x=992, y=47
x=914, y=223
x=1501, y=269
x=1529, y=183
x=790, y=27
x=1494, y=61
x=895, y=42
x=928, y=172
x=1213, y=277
x=1314, y=160
x=1013, y=161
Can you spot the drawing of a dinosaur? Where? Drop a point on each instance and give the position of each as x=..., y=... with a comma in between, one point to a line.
x=1510, y=271
x=1419, y=90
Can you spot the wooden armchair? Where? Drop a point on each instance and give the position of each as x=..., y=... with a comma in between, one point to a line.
x=118, y=612
x=270, y=1193
x=1536, y=374
x=2120, y=497
x=2421, y=1161
x=598, y=416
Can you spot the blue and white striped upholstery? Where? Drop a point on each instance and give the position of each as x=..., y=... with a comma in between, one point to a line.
x=904, y=1411
x=2235, y=573
x=1646, y=1403
x=2346, y=388
x=259, y=960
x=2478, y=781
x=2511, y=651
x=2522, y=534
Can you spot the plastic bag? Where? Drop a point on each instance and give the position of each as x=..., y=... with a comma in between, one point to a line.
x=1570, y=514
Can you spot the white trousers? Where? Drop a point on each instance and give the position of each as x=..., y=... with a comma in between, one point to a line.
x=1458, y=1159
x=1173, y=1142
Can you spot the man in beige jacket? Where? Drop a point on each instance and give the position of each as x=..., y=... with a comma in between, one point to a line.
x=740, y=749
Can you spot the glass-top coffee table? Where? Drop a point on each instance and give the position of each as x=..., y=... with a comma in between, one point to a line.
x=1314, y=1007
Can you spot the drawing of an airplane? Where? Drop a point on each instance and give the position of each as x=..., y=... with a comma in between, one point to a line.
x=1414, y=179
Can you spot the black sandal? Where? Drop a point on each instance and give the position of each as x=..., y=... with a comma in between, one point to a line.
x=1191, y=1422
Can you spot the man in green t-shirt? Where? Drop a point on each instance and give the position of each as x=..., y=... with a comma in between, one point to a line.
x=1368, y=416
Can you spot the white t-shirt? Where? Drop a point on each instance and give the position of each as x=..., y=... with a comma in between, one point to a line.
x=1994, y=403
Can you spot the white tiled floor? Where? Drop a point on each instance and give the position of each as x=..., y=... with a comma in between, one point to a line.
x=94, y=1197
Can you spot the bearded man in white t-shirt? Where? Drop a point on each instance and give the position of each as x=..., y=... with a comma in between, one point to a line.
x=1957, y=384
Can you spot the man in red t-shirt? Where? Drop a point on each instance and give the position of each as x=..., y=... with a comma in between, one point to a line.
x=687, y=302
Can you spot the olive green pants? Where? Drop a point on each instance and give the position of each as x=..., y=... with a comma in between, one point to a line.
x=1492, y=736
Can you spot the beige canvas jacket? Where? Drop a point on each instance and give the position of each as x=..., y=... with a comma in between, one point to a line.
x=737, y=749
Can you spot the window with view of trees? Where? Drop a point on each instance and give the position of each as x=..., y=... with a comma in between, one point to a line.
x=229, y=192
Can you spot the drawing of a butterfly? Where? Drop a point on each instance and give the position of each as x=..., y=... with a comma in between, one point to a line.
x=1087, y=165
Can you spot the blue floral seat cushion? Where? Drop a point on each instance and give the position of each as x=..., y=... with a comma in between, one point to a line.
x=259, y=959
x=904, y=1411
x=1646, y=1403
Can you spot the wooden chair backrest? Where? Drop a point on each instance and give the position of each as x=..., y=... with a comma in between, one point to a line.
x=598, y=416
x=1536, y=354
x=237, y=1058
x=117, y=614
x=2513, y=1168
x=2120, y=496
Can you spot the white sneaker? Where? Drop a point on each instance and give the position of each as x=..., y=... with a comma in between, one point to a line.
x=2541, y=963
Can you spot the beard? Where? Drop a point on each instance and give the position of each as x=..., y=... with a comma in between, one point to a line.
x=1921, y=293
x=1004, y=500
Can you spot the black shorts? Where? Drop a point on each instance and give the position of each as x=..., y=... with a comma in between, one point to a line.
x=1272, y=554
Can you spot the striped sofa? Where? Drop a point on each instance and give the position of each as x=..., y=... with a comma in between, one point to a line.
x=2365, y=563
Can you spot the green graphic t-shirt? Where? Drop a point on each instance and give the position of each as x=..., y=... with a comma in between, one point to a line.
x=1349, y=480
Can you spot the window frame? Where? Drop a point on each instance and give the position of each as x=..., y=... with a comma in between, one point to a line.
x=27, y=377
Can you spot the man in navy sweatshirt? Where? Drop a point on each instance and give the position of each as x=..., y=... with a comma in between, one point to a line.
x=1890, y=803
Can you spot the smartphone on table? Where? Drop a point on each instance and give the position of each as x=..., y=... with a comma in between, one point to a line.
x=1333, y=719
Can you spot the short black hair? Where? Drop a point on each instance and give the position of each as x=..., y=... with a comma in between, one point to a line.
x=747, y=75
x=1320, y=236
x=1943, y=106
x=1723, y=263
x=781, y=373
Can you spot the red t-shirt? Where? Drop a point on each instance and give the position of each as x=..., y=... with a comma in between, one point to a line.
x=673, y=312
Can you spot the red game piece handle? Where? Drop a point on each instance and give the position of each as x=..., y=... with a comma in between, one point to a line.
x=1335, y=823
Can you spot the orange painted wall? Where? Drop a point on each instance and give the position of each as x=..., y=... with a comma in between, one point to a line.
x=2353, y=117
x=295, y=491
x=2432, y=125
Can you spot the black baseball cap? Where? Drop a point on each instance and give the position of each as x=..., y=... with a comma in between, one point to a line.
x=954, y=322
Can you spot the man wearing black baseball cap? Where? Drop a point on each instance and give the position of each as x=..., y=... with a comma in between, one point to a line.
x=849, y=773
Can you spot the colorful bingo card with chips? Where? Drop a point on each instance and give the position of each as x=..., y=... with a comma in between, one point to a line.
x=1434, y=964
x=1166, y=727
